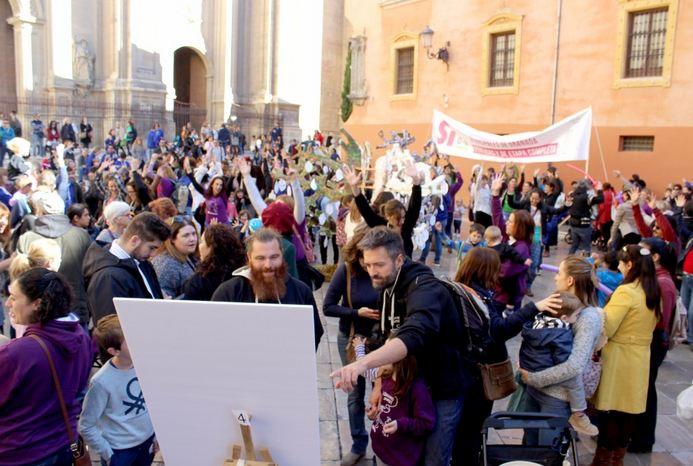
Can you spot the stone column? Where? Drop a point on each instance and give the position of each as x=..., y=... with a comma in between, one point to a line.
x=23, y=58
x=219, y=80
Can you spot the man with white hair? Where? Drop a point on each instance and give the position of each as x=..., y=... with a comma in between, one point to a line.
x=118, y=216
x=51, y=222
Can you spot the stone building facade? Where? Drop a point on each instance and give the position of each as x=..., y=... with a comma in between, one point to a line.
x=252, y=62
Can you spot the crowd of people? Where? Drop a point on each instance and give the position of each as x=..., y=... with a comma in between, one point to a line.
x=211, y=215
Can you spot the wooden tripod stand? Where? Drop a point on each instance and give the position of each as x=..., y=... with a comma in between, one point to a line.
x=261, y=458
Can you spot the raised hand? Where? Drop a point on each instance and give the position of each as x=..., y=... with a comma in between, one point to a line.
x=352, y=178
x=243, y=166
x=681, y=200
x=497, y=184
x=411, y=171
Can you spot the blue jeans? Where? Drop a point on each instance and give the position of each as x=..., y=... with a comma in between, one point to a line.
x=440, y=443
x=539, y=402
x=438, y=235
x=141, y=455
x=62, y=457
x=355, y=404
x=582, y=239
x=687, y=299
x=535, y=254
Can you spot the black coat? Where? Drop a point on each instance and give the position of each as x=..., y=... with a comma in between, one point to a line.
x=240, y=290
x=107, y=277
x=67, y=133
x=199, y=288
x=425, y=318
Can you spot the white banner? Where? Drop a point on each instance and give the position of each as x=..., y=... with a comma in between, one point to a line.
x=569, y=139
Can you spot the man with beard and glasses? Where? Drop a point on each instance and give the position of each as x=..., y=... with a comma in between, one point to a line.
x=418, y=307
x=265, y=279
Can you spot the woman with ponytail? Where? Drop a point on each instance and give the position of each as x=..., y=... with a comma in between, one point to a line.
x=630, y=319
x=32, y=426
x=44, y=252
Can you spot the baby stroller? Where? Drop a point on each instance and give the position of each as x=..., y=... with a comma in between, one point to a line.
x=548, y=455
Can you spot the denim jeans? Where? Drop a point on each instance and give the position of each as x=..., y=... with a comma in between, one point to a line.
x=141, y=455
x=687, y=299
x=37, y=147
x=439, y=246
x=355, y=404
x=535, y=254
x=582, y=239
x=62, y=457
x=539, y=402
x=441, y=441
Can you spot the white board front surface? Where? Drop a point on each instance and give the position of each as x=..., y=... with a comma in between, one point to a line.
x=198, y=362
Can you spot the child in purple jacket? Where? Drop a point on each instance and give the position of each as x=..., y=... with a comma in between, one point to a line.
x=406, y=414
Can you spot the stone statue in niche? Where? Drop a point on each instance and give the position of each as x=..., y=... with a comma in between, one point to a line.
x=83, y=66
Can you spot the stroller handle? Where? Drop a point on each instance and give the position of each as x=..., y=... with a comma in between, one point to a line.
x=512, y=420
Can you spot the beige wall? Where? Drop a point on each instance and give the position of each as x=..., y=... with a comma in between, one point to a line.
x=588, y=45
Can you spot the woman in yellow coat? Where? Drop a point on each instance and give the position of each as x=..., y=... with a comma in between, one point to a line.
x=630, y=318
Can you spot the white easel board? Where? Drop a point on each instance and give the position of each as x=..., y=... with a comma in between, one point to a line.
x=197, y=362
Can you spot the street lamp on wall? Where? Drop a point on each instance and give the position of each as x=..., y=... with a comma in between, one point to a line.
x=441, y=54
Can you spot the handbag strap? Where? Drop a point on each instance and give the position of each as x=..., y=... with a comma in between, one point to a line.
x=58, y=387
x=348, y=296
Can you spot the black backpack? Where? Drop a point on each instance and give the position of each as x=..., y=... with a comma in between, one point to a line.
x=477, y=339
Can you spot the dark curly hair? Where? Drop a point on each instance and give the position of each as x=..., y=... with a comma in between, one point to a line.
x=226, y=254
x=51, y=288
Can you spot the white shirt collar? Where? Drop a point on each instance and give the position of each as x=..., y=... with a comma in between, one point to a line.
x=117, y=250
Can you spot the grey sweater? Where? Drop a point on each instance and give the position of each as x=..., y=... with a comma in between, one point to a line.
x=587, y=330
x=114, y=414
x=172, y=273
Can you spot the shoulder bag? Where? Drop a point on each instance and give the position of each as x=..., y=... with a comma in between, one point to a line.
x=497, y=378
x=350, y=350
x=80, y=457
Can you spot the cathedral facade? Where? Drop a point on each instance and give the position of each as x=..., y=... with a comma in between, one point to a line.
x=253, y=63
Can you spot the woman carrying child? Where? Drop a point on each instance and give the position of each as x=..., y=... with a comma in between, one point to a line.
x=545, y=392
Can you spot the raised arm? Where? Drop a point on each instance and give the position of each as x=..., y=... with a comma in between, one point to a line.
x=253, y=192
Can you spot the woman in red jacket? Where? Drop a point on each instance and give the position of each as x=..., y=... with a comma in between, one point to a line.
x=604, y=220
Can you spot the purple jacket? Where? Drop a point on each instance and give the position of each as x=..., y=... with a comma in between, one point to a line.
x=415, y=415
x=513, y=276
x=31, y=422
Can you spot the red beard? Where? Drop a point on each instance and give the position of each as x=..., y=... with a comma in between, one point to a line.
x=268, y=288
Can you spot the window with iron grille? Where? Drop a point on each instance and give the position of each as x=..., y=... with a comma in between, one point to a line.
x=636, y=143
x=502, y=59
x=405, y=71
x=647, y=31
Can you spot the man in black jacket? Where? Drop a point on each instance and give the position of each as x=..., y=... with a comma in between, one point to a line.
x=423, y=314
x=581, y=202
x=121, y=269
x=265, y=279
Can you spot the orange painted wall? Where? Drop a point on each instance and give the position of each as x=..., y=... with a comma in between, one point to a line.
x=585, y=78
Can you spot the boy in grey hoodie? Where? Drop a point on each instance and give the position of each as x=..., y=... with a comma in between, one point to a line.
x=114, y=421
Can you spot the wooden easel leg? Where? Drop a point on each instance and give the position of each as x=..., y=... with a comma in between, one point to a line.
x=265, y=456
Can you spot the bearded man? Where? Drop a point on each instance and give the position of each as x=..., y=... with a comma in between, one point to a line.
x=265, y=279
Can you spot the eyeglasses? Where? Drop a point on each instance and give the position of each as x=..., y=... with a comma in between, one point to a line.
x=182, y=219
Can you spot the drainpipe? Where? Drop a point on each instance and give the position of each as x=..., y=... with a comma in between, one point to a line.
x=555, y=65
